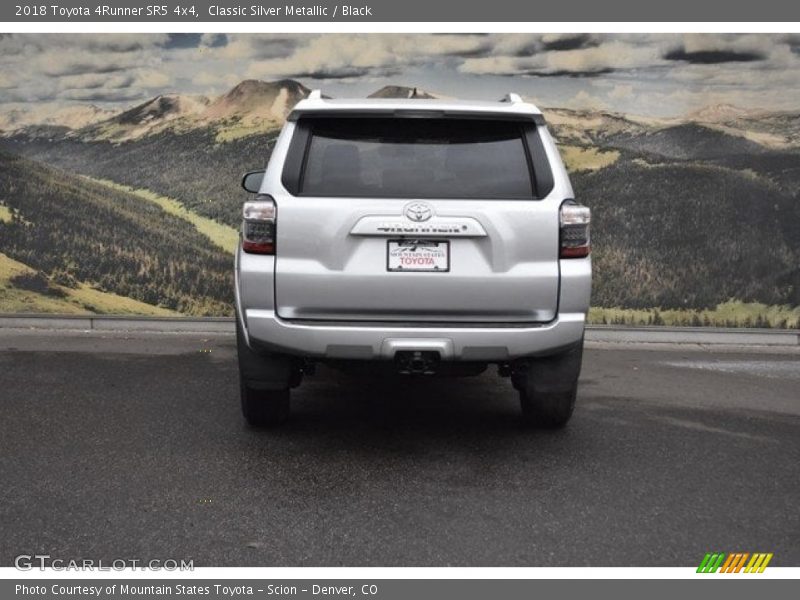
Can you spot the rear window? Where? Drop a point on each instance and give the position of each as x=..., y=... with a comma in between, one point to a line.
x=416, y=158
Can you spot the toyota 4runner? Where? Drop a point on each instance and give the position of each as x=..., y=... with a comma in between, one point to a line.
x=428, y=237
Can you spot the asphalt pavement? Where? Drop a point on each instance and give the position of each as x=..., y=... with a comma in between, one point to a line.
x=132, y=446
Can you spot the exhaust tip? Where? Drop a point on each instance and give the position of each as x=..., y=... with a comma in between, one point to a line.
x=417, y=362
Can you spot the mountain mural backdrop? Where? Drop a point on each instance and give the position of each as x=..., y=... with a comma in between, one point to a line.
x=696, y=218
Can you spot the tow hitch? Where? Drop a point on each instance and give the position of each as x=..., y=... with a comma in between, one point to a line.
x=417, y=362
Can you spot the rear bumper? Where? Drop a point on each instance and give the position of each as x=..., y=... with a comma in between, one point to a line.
x=371, y=342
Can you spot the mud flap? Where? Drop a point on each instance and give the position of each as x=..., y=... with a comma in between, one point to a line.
x=265, y=370
x=549, y=374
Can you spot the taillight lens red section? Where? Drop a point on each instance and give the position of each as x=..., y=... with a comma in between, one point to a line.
x=575, y=220
x=259, y=225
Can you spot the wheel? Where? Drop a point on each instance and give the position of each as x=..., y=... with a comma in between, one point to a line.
x=550, y=410
x=264, y=408
x=548, y=387
x=264, y=382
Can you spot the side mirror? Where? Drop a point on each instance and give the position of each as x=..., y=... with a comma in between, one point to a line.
x=251, y=182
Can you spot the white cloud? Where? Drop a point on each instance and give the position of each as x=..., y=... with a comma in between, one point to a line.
x=6, y=81
x=95, y=81
x=210, y=40
x=621, y=91
x=612, y=55
x=336, y=56
x=583, y=100
x=649, y=73
x=601, y=56
x=209, y=80
x=150, y=78
x=709, y=42
x=58, y=63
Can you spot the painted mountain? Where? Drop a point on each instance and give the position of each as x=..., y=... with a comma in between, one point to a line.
x=400, y=91
x=696, y=220
x=249, y=108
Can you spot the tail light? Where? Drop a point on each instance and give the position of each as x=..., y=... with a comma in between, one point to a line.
x=259, y=225
x=575, y=220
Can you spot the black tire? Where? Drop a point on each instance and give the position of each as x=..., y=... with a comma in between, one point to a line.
x=551, y=410
x=548, y=388
x=264, y=382
x=264, y=408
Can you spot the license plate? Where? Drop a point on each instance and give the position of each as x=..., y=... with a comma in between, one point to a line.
x=418, y=255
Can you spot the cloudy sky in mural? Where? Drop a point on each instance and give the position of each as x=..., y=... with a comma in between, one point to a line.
x=647, y=74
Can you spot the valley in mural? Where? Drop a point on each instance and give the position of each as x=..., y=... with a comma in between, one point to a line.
x=133, y=207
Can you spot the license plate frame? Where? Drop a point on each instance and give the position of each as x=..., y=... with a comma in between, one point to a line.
x=441, y=258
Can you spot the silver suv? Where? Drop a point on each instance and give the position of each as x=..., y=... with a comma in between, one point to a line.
x=425, y=237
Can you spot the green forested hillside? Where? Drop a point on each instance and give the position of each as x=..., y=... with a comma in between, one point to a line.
x=26, y=290
x=191, y=166
x=77, y=234
x=667, y=232
x=687, y=141
x=690, y=235
x=686, y=217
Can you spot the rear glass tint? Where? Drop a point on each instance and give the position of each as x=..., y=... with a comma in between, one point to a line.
x=416, y=158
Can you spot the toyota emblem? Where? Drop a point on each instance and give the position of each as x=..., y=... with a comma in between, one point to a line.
x=418, y=211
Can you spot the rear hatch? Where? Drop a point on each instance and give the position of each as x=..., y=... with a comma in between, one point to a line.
x=416, y=219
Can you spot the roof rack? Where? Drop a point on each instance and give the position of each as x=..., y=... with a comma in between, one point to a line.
x=512, y=98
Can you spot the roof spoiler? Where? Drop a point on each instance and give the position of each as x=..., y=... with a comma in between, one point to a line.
x=317, y=95
x=512, y=98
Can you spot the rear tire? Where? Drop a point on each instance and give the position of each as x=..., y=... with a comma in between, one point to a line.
x=548, y=410
x=548, y=388
x=264, y=408
x=264, y=382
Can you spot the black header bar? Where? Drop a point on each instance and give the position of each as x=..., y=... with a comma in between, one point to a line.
x=458, y=11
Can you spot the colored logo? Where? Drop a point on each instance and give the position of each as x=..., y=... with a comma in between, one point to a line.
x=736, y=562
